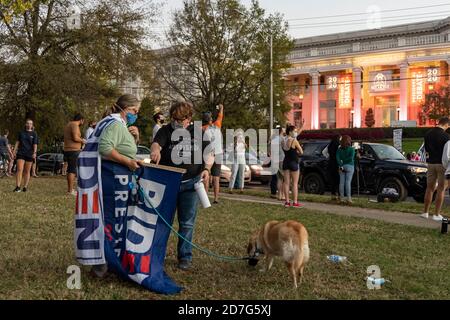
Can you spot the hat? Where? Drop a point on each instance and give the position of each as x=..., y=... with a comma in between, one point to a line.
x=206, y=117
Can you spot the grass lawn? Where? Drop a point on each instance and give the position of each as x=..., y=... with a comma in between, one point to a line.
x=36, y=249
x=361, y=202
x=409, y=145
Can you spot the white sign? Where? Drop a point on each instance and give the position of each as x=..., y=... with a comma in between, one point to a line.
x=432, y=75
x=345, y=93
x=332, y=83
x=381, y=81
x=418, y=86
x=398, y=136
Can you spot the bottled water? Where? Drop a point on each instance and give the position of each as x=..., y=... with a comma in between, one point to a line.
x=337, y=259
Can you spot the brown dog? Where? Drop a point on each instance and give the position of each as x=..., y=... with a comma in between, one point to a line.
x=288, y=240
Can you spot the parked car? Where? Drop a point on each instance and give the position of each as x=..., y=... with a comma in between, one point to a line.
x=143, y=153
x=226, y=167
x=380, y=166
x=50, y=162
x=260, y=170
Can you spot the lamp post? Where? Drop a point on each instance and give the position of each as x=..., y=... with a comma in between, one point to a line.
x=271, y=71
x=353, y=118
x=398, y=114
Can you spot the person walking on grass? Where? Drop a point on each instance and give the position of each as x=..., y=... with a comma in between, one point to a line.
x=435, y=141
x=345, y=158
x=6, y=153
x=291, y=166
x=333, y=169
x=73, y=143
x=277, y=182
x=238, y=168
x=25, y=152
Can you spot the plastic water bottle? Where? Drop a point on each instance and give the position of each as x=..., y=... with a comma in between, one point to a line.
x=377, y=281
x=337, y=259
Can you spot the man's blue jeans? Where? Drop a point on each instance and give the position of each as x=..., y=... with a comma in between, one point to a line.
x=187, y=205
x=345, y=181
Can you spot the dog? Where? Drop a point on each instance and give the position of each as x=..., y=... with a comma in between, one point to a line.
x=288, y=240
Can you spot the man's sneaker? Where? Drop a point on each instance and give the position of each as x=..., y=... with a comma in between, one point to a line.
x=17, y=189
x=424, y=215
x=298, y=205
x=184, y=265
x=24, y=190
x=438, y=218
x=287, y=204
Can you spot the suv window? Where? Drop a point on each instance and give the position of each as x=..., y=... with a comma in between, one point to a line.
x=313, y=149
x=143, y=150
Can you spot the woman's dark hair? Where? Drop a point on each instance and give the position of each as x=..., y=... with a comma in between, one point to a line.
x=77, y=117
x=125, y=101
x=346, y=142
x=157, y=116
x=336, y=138
x=289, y=129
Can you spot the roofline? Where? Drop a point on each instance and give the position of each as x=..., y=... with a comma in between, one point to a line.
x=385, y=32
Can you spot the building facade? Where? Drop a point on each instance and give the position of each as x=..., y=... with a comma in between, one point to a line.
x=336, y=80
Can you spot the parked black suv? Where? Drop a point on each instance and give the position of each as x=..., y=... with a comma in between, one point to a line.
x=380, y=166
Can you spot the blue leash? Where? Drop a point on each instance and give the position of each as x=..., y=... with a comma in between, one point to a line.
x=206, y=251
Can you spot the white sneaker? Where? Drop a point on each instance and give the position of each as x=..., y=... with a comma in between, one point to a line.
x=424, y=215
x=438, y=218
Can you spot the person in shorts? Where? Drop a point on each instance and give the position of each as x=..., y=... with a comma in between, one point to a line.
x=73, y=142
x=25, y=151
x=214, y=135
x=435, y=141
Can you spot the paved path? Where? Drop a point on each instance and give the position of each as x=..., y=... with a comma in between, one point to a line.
x=387, y=216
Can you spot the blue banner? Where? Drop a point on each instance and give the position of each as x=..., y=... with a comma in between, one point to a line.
x=135, y=237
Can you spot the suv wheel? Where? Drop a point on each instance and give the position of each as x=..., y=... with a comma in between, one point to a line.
x=396, y=184
x=314, y=184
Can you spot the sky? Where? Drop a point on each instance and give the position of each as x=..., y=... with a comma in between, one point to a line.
x=311, y=18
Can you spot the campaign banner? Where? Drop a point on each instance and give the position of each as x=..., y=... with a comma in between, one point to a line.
x=135, y=237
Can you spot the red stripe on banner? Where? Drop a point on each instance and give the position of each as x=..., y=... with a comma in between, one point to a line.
x=128, y=261
x=84, y=205
x=145, y=264
x=95, y=203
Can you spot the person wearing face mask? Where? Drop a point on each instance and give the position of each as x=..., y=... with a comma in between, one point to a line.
x=291, y=167
x=73, y=142
x=176, y=145
x=25, y=151
x=118, y=142
x=159, y=122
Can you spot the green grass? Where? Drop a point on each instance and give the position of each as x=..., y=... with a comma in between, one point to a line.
x=36, y=249
x=361, y=202
x=409, y=145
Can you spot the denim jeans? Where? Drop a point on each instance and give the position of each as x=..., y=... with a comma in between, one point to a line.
x=187, y=204
x=237, y=176
x=345, y=181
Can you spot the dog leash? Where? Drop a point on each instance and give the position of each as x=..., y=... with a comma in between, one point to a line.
x=205, y=251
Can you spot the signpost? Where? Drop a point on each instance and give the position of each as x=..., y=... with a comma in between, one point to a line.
x=398, y=135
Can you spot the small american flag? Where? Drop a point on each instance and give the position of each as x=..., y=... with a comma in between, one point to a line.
x=422, y=153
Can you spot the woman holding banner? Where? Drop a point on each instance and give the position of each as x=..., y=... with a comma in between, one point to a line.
x=176, y=145
x=117, y=143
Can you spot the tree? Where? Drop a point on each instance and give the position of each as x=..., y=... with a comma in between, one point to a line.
x=49, y=71
x=437, y=104
x=10, y=8
x=370, y=118
x=220, y=54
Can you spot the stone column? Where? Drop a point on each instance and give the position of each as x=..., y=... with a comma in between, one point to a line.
x=315, y=100
x=357, y=121
x=404, y=91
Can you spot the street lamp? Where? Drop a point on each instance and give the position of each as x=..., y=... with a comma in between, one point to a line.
x=353, y=118
x=398, y=114
x=271, y=70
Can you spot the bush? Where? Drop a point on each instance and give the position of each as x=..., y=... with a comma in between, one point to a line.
x=366, y=134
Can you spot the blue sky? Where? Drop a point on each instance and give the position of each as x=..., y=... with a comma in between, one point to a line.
x=300, y=9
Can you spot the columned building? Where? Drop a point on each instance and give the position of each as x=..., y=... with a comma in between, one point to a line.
x=335, y=80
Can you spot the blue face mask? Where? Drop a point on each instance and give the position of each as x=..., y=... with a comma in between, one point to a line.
x=131, y=118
